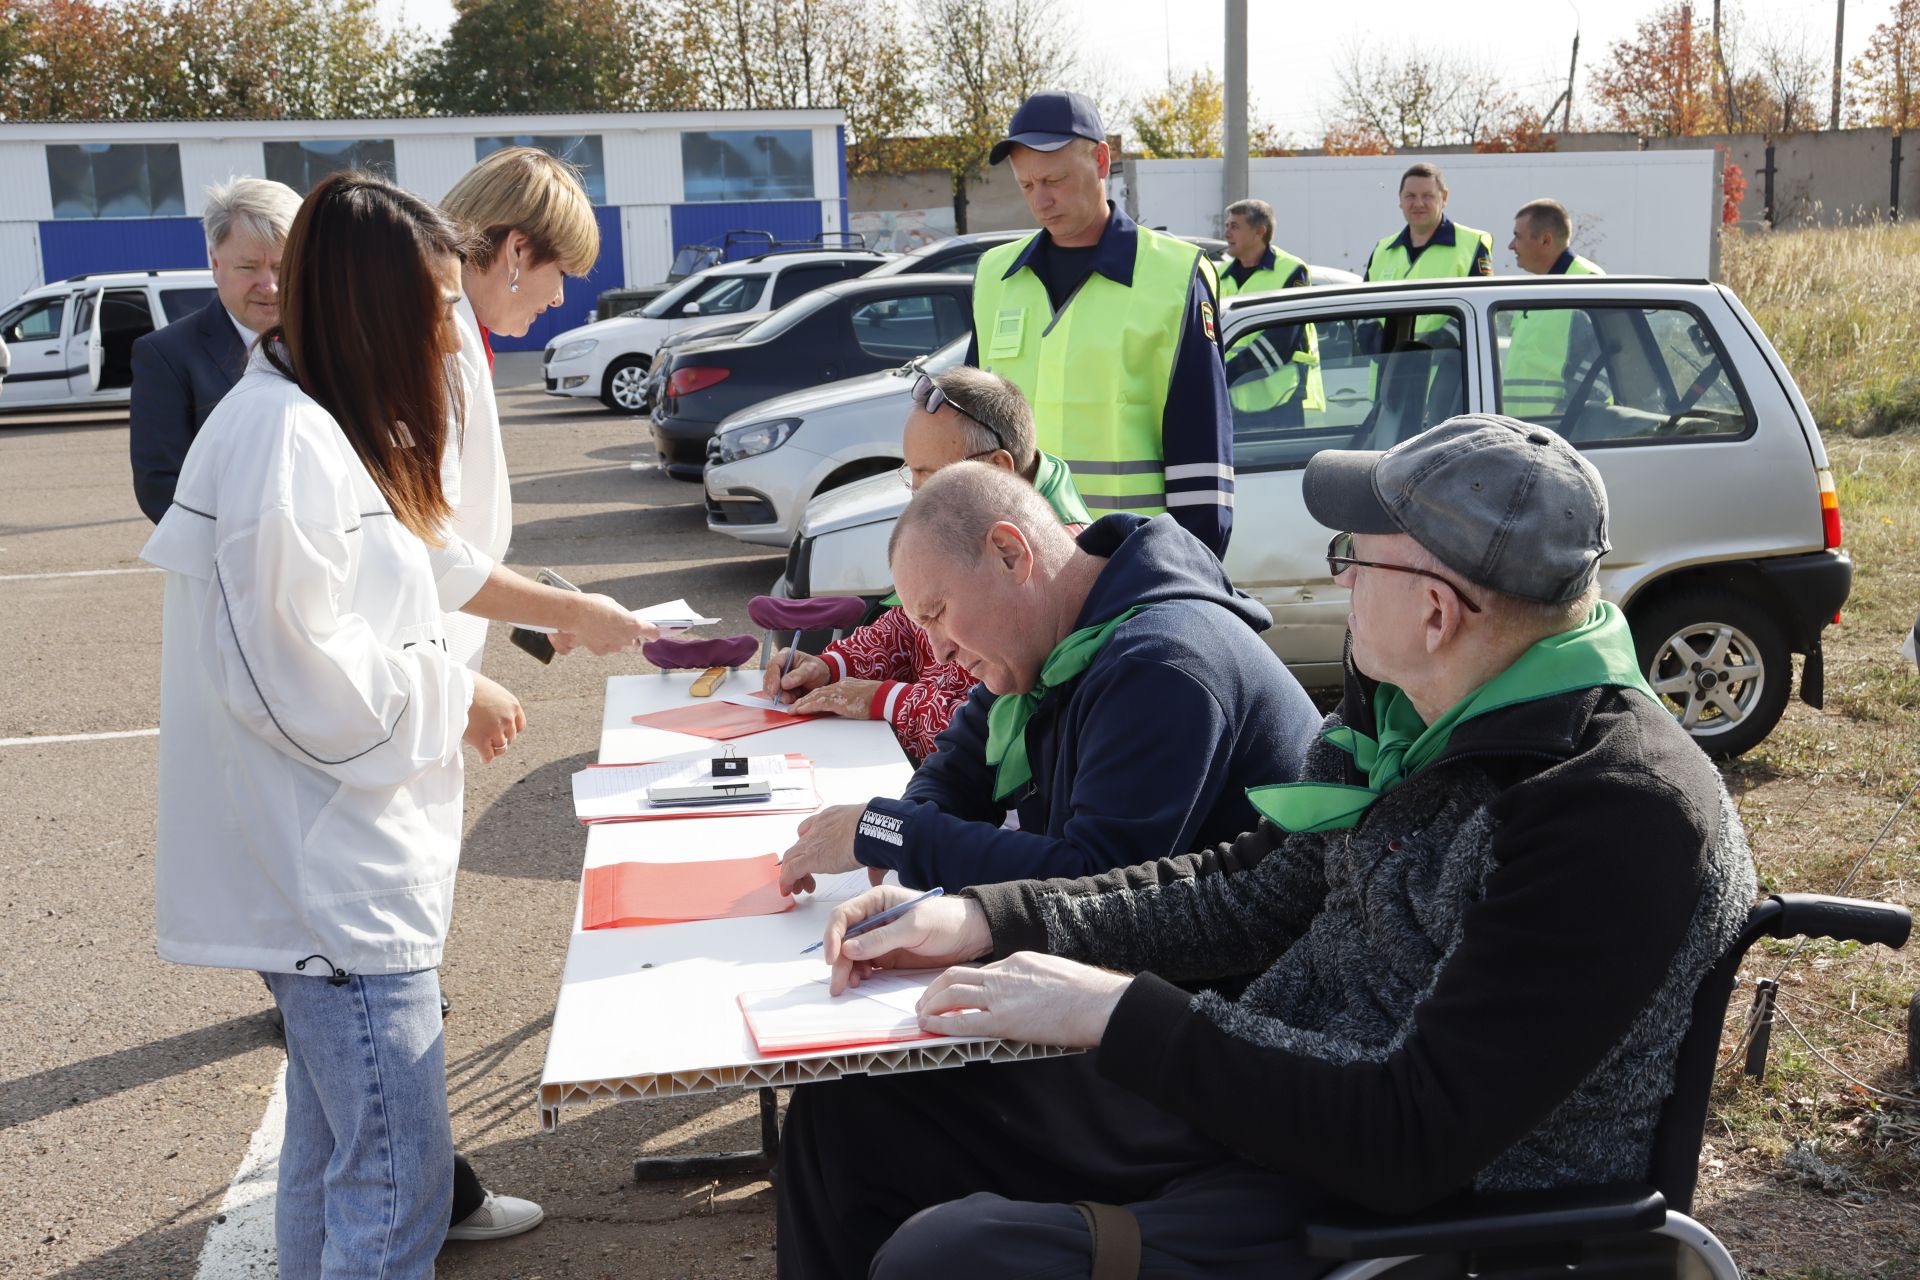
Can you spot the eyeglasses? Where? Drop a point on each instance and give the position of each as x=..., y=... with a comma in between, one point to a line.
x=1340, y=559
x=929, y=396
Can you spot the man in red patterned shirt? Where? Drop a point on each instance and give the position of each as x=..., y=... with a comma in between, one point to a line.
x=886, y=669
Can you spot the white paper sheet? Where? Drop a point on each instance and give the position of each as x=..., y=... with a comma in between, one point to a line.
x=672, y=618
x=878, y=1011
x=620, y=791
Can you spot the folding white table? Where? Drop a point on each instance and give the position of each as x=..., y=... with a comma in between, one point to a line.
x=652, y=1012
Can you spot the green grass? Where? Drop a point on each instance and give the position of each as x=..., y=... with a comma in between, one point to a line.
x=1842, y=307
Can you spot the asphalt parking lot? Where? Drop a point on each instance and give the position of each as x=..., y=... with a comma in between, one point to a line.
x=130, y=1088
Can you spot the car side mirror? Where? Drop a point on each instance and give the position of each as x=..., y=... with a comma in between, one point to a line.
x=691, y=309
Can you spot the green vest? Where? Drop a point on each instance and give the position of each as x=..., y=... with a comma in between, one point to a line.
x=1097, y=371
x=1280, y=380
x=1391, y=261
x=1533, y=373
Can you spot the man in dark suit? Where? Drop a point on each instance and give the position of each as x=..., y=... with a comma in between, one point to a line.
x=179, y=374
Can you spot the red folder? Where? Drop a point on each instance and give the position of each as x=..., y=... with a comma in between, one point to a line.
x=720, y=720
x=634, y=893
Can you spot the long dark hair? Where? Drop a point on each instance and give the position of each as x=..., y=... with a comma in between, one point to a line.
x=362, y=330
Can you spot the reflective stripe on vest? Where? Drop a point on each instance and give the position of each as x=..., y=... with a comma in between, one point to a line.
x=1277, y=379
x=1533, y=375
x=1097, y=371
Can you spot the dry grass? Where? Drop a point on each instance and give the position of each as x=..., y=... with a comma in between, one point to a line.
x=1842, y=306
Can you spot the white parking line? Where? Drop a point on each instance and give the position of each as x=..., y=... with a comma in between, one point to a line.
x=79, y=737
x=75, y=573
x=240, y=1241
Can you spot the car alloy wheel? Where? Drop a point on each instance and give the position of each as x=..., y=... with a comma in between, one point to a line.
x=1720, y=664
x=624, y=388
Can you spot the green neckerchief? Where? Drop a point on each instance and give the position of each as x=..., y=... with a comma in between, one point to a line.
x=1007, y=719
x=1053, y=482
x=1597, y=652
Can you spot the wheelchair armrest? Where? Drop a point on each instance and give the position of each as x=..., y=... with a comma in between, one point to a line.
x=1819, y=915
x=1511, y=1220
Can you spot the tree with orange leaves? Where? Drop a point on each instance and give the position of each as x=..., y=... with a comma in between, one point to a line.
x=1660, y=82
x=1886, y=78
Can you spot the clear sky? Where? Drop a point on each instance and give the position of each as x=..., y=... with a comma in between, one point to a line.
x=1292, y=49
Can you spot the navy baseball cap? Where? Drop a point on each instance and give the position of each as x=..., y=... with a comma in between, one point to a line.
x=1048, y=122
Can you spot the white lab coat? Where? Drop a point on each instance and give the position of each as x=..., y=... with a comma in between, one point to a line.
x=310, y=715
x=474, y=475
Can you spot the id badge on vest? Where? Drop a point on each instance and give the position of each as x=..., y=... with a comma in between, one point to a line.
x=1009, y=332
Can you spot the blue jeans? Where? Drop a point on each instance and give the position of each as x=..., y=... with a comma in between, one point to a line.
x=366, y=1179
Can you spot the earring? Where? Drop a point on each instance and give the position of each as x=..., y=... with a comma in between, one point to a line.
x=513, y=281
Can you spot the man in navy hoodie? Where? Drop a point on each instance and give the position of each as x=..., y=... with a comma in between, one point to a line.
x=1126, y=701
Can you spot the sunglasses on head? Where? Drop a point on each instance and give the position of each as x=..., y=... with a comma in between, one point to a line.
x=1340, y=559
x=929, y=396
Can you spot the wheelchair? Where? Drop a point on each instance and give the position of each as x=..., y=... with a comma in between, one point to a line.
x=1637, y=1230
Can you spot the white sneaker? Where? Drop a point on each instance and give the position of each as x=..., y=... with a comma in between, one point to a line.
x=497, y=1218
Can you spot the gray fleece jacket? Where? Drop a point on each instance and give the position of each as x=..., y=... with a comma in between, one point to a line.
x=1484, y=984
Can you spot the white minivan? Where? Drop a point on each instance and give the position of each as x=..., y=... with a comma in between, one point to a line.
x=71, y=341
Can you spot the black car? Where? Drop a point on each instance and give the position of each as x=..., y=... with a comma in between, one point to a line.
x=840, y=331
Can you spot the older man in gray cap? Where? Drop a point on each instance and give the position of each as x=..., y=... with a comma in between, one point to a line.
x=1428, y=997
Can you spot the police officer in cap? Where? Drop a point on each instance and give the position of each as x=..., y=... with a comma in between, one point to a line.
x=1110, y=329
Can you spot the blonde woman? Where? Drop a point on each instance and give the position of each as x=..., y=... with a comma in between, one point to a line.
x=535, y=227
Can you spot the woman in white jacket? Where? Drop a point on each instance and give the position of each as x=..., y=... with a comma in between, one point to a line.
x=311, y=717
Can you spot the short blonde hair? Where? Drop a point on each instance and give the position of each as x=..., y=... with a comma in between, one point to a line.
x=261, y=208
x=526, y=190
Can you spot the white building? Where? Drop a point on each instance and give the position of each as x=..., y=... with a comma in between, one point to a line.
x=80, y=197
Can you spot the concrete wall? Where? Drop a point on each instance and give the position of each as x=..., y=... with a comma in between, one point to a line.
x=924, y=197
x=1829, y=178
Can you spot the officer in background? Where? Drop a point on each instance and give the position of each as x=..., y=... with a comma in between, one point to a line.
x=1274, y=371
x=1110, y=329
x=1431, y=246
x=1542, y=230
x=1547, y=344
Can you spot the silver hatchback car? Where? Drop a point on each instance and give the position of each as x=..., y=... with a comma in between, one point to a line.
x=1726, y=532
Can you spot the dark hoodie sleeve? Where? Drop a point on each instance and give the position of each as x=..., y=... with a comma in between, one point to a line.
x=1154, y=742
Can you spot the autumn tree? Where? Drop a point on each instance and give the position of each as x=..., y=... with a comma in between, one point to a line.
x=1660, y=81
x=1886, y=78
x=199, y=59
x=803, y=53
x=984, y=58
x=1188, y=116
x=528, y=55
x=1784, y=87
x=1417, y=97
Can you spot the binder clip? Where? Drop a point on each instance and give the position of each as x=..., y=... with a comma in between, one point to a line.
x=729, y=764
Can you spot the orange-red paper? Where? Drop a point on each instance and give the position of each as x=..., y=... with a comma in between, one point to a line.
x=633, y=893
x=720, y=720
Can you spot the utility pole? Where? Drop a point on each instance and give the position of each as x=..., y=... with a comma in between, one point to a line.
x=1573, y=64
x=1234, y=144
x=1839, y=38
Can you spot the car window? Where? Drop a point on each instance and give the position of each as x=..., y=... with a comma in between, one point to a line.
x=37, y=321
x=962, y=264
x=183, y=302
x=904, y=327
x=726, y=295
x=126, y=309
x=795, y=281
x=1618, y=374
x=669, y=302
x=787, y=317
x=1363, y=381
x=83, y=312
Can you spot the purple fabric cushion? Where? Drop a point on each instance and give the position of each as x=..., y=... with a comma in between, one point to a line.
x=670, y=655
x=823, y=613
